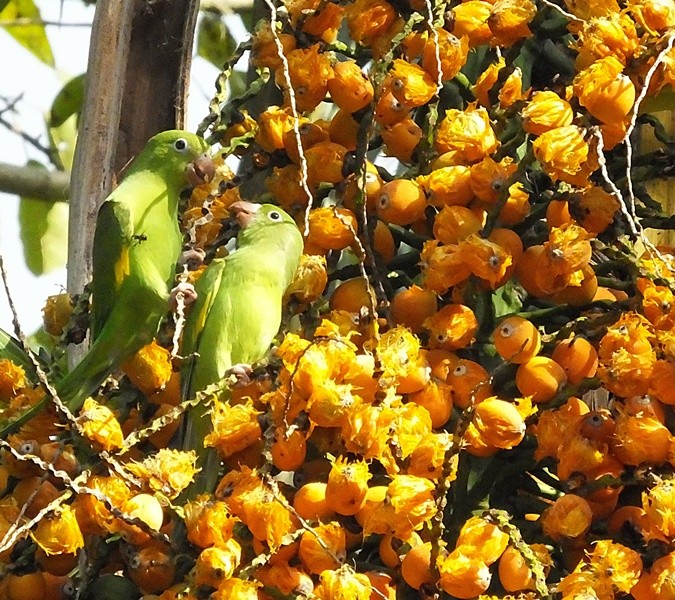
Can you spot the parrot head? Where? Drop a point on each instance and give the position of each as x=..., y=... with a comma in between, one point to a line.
x=248, y=213
x=179, y=153
x=255, y=218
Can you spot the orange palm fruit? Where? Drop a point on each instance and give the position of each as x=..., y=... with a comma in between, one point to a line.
x=436, y=399
x=516, y=339
x=344, y=129
x=452, y=327
x=540, y=377
x=401, y=202
x=317, y=557
x=469, y=382
x=416, y=566
x=527, y=269
x=510, y=240
x=401, y=139
x=411, y=306
x=310, y=502
x=352, y=295
x=558, y=214
x=347, y=486
x=578, y=358
x=442, y=362
x=499, y=423
x=514, y=572
x=569, y=517
x=578, y=295
x=30, y=586
x=350, y=89
x=374, y=497
x=383, y=242
x=152, y=570
x=288, y=449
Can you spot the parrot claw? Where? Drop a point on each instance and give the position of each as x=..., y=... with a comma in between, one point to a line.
x=193, y=258
x=239, y=374
x=187, y=292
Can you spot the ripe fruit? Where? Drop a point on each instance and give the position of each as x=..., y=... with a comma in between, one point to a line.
x=412, y=306
x=352, y=295
x=151, y=569
x=383, y=242
x=317, y=557
x=540, y=377
x=344, y=129
x=347, y=486
x=499, y=423
x=416, y=566
x=288, y=450
x=350, y=89
x=516, y=339
x=401, y=202
x=569, y=517
x=436, y=398
x=310, y=502
x=147, y=508
x=469, y=382
x=577, y=357
x=514, y=572
x=30, y=586
x=401, y=139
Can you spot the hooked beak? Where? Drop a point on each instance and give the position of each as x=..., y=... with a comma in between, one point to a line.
x=243, y=212
x=201, y=170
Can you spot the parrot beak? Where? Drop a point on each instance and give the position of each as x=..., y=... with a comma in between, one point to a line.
x=200, y=170
x=243, y=212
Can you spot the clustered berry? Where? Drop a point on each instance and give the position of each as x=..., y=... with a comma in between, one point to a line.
x=472, y=393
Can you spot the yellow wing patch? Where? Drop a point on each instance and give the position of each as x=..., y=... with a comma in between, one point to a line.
x=204, y=312
x=121, y=267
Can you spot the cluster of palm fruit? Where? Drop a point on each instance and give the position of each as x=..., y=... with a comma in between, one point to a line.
x=471, y=393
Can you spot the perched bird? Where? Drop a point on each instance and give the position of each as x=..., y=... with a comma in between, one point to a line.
x=236, y=315
x=137, y=243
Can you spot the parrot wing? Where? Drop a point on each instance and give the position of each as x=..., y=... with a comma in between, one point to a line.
x=112, y=240
x=207, y=288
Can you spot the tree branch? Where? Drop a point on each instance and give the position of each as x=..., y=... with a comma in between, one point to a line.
x=34, y=182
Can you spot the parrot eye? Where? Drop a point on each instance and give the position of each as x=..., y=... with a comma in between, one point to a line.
x=275, y=216
x=180, y=145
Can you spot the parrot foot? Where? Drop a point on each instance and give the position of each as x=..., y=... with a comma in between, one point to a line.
x=187, y=292
x=239, y=375
x=193, y=258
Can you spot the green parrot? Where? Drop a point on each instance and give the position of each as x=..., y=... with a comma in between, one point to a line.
x=236, y=315
x=137, y=243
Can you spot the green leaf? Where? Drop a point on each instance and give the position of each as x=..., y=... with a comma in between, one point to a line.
x=3, y=3
x=63, y=140
x=44, y=233
x=506, y=300
x=214, y=41
x=68, y=101
x=664, y=100
x=32, y=37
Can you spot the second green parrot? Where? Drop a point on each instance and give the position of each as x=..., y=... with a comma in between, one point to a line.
x=137, y=243
x=237, y=314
